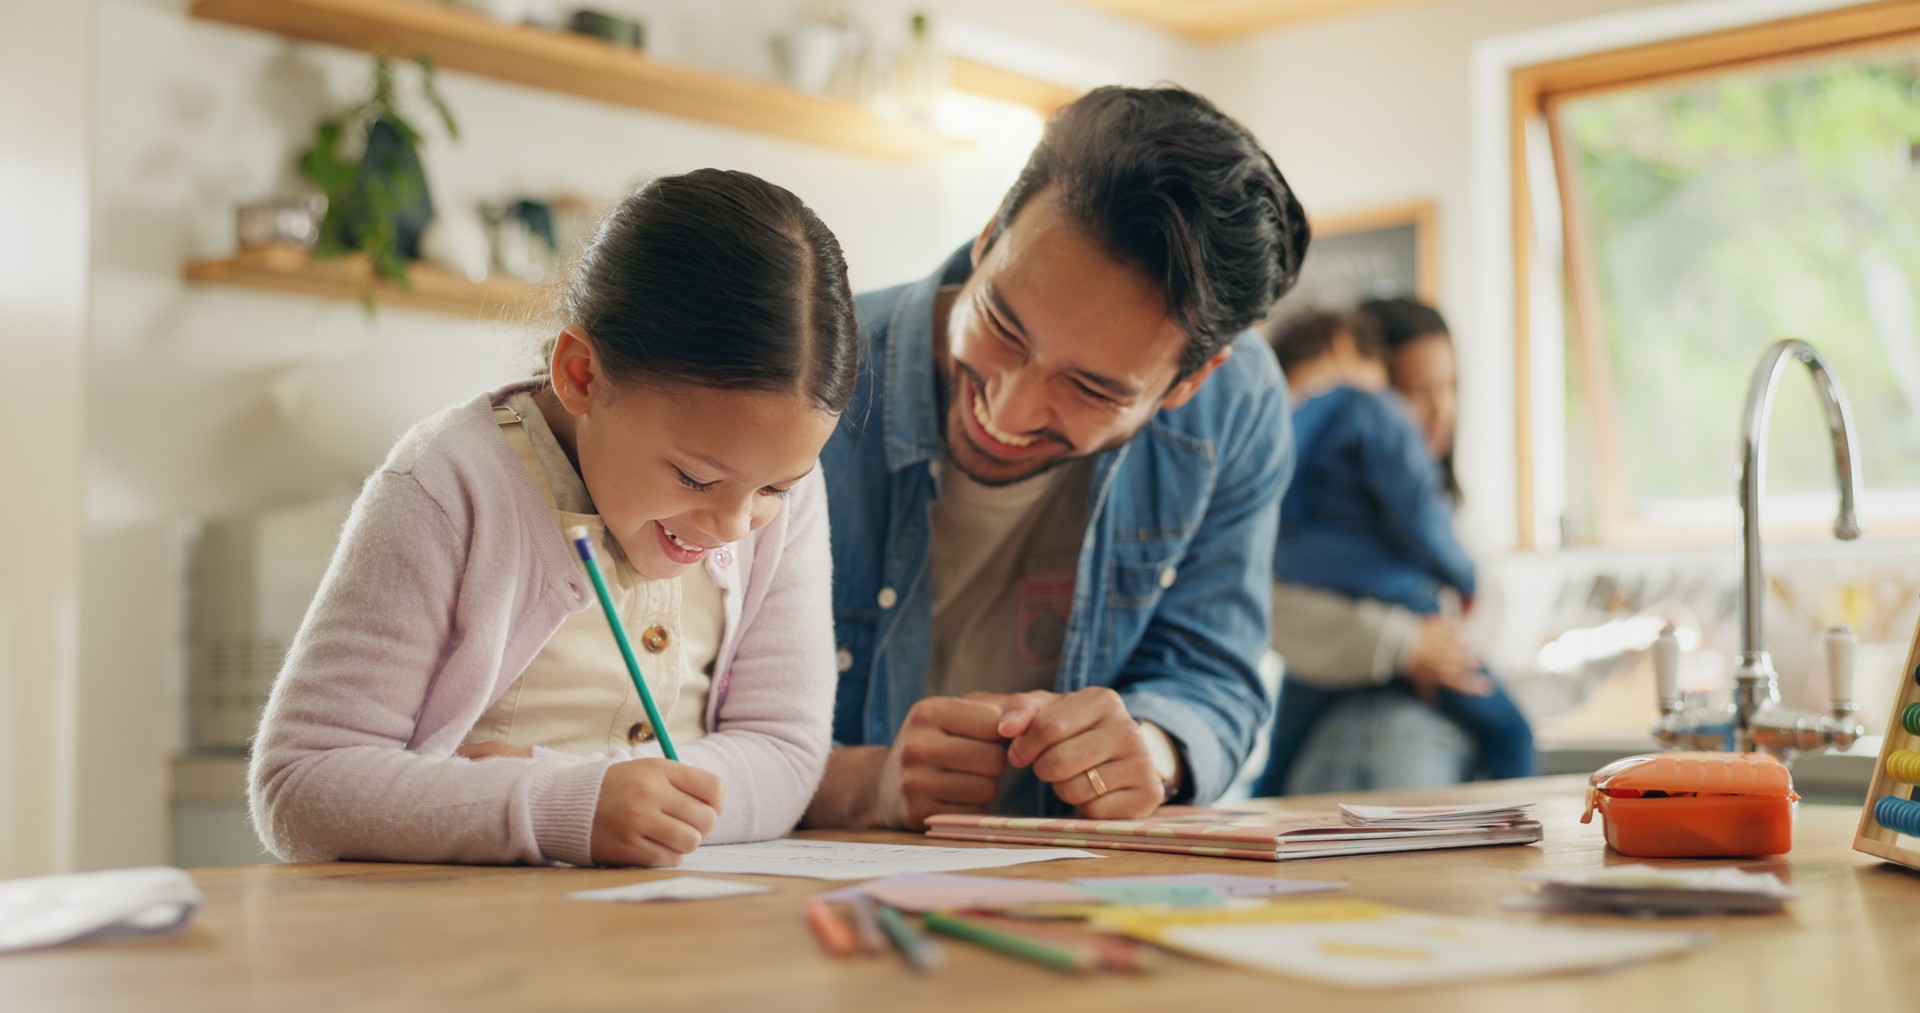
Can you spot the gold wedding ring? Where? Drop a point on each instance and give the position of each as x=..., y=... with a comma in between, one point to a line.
x=1099, y=786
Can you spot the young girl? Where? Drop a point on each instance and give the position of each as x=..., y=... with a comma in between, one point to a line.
x=455, y=693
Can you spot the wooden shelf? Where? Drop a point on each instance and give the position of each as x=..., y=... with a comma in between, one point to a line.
x=287, y=269
x=579, y=65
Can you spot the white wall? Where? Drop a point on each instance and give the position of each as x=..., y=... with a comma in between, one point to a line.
x=45, y=52
x=193, y=118
x=1373, y=110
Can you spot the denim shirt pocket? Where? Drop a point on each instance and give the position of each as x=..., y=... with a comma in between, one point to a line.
x=1142, y=571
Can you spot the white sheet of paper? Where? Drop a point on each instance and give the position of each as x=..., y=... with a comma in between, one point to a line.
x=674, y=888
x=840, y=860
x=47, y=910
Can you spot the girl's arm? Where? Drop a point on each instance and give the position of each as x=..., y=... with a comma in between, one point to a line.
x=333, y=775
x=775, y=723
x=1413, y=512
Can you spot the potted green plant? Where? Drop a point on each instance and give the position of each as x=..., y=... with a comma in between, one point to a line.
x=367, y=162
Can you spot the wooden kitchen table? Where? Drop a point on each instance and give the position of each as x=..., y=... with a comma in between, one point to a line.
x=364, y=936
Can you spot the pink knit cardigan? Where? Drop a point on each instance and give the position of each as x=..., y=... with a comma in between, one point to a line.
x=450, y=576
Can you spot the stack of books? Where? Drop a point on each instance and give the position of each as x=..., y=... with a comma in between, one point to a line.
x=1264, y=835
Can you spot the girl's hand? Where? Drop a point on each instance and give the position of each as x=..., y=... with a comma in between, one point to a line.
x=653, y=812
x=488, y=750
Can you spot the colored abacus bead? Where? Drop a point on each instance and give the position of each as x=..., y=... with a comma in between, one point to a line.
x=1910, y=718
x=1904, y=765
x=1900, y=815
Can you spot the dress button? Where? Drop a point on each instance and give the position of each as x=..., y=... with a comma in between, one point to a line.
x=887, y=597
x=844, y=660
x=1166, y=577
x=655, y=639
x=640, y=732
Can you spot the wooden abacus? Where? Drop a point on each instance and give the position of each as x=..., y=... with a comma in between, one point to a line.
x=1890, y=821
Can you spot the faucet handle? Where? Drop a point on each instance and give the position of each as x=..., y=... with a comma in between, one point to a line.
x=1841, y=642
x=1666, y=668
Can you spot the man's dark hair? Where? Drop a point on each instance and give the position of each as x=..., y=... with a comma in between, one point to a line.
x=1164, y=181
x=1307, y=334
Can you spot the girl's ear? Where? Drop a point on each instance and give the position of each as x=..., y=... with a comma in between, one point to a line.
x=575, y=370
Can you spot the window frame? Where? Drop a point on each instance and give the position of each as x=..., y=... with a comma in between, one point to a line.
x=1553, y=273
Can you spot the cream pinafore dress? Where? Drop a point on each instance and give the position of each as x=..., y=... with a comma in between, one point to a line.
x=575, y=696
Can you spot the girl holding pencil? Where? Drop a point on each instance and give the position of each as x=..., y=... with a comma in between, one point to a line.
x=456, y=692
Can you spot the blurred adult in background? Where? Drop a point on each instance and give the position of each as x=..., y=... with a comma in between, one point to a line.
x=1360, y=663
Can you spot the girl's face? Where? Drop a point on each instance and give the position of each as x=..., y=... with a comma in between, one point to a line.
x=680, y=471
x=1423, y=373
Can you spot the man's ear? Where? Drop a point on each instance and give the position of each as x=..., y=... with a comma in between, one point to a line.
x=575, y=370
x=1190, y=385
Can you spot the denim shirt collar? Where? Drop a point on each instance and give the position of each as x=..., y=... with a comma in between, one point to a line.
x=912, y=389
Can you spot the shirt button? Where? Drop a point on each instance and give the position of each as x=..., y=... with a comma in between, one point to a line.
x=640, y=732
x=887, y=597
x=655, y=639
x=844, y=660
x=1166, y=577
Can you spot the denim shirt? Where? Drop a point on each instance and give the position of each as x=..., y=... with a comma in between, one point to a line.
x=1368, y=518
x=1170, y=601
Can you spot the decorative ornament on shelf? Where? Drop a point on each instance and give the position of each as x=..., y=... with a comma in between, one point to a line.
x=367, y=162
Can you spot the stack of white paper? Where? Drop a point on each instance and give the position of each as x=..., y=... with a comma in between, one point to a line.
x=1645, y=890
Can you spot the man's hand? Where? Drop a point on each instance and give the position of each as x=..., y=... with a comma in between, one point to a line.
x=1441, y=660
x=1066, y=738
x=947, y=759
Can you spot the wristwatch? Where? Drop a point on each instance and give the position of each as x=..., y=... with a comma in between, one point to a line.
x=1165, y=754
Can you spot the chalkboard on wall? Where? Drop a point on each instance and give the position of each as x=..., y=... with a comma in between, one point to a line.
x=1374, y=254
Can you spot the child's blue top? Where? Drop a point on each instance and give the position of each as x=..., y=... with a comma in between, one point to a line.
x=1365, y=515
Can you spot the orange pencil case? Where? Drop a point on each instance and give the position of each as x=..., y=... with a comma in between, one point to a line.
x=1694, y=805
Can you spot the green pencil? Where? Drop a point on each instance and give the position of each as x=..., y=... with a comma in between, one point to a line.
x=1060, y=958
x=921, y=953
x=583, y=541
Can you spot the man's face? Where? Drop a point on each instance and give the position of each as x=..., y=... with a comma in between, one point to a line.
x=1055, y=351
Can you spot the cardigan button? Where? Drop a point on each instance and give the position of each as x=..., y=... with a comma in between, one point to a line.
x=723, y=556
x=640, y=732
x=655, y=639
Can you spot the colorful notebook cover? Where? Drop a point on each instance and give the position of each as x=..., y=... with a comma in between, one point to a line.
x=1225, y=833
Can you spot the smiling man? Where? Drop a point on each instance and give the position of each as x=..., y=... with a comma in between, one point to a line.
x=1055, y=495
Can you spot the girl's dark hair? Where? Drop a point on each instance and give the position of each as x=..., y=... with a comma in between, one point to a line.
x=1166, y=182
x=1307, y=334
x=1401, y=321
x=720, y=279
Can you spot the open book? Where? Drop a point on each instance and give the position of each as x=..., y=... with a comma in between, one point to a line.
x=1232, y=833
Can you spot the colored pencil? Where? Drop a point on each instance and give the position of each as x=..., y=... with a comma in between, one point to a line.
x=866, y=925
x=1114, y=953
x=1058, y=957
x=920, y=952
x=835, y=935
x=583, y=542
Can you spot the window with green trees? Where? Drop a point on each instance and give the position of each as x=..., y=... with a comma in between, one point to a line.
x=1706, y=217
